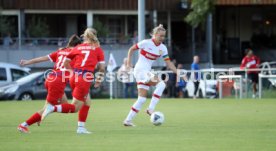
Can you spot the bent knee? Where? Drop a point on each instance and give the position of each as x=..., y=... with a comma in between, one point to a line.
x=161, y=84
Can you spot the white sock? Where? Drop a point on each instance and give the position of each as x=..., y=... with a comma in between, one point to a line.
x=59, y=108
x=24, y=124
x=130, y=116
x=81, y=124
x=160, y=87
x=153, y=103
x=136, y=108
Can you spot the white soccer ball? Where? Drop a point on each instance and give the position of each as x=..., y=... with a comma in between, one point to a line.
x=157, y=118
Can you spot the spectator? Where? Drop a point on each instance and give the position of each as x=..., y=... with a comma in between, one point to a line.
x=171, y=82
x=250, y=61
x=180, y=86
x=127, y=81
x=195, y=74
x=169, y=91
x=7, y=41
x=163, y=77
x=135, y=38
x=60, y=42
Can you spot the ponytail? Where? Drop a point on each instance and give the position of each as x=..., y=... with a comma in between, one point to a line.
x=90, y=35
x=157, y=29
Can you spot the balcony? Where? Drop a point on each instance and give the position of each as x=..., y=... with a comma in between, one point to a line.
x=55, y=43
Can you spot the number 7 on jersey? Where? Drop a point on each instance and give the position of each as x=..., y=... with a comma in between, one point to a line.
x=86, y=53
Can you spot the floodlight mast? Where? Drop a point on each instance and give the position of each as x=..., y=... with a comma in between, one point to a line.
x=141, y=20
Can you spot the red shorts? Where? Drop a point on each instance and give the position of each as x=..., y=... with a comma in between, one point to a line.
x=55, y=89
x=80, y=87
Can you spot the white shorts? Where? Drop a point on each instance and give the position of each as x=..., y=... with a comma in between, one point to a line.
x=142, y=77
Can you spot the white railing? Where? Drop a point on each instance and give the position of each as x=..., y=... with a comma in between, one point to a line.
x=220, y=74
x=261, y=76
x=230, y=77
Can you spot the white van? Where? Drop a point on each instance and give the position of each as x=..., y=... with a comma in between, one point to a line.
x=11, y=72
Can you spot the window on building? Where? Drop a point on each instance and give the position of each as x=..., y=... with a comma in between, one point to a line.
x=264, y=33
x=115, y=27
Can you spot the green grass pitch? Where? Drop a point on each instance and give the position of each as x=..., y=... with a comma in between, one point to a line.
x=190, y=125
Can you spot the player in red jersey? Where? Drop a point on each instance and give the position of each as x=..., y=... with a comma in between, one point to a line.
x=55, y=84
x=87, y=56
x=250, y=61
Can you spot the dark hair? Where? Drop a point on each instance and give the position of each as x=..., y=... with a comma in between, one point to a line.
x=248, y=50
x=74, y=40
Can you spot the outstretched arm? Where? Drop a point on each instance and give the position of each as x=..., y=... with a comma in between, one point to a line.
x=171, y=66
x=129, y=55
x=33, y=61
x=243, y=63
x=67, y=64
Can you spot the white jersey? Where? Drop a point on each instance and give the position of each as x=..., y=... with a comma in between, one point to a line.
x=148, y=53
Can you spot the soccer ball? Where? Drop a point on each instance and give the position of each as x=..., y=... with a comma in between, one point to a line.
x=157, y=118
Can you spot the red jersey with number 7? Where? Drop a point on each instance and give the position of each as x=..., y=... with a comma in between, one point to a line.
x=86, y=56
x=58, y=57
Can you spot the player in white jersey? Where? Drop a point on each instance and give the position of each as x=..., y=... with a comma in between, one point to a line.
x=150, y=50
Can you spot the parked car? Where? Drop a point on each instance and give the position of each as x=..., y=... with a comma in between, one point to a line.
x=10, y=72
x=27, y=88
x=207, y=88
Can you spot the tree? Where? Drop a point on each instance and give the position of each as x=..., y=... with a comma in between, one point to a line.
x=6, y=25
x=38, y=27
x=102, y=30
x=199, y=11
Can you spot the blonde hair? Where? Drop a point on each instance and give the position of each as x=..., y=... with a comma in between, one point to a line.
x=157, y=29
x=90, y=35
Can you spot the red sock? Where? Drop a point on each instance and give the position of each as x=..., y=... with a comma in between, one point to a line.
x=55, y=108
x=83, y=113
x=68, y=108
x=33, y=119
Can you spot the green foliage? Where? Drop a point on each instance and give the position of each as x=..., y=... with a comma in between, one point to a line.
x=102, y=30
x=199, y=12
x=38, y=27
x=6, y=25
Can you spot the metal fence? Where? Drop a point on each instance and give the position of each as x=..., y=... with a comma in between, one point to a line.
x=213, y=83
x=53, y=42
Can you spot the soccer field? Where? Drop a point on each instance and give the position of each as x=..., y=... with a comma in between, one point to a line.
x=204, y=125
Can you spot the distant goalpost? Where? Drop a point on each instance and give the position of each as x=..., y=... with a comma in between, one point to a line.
x=220, y=78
